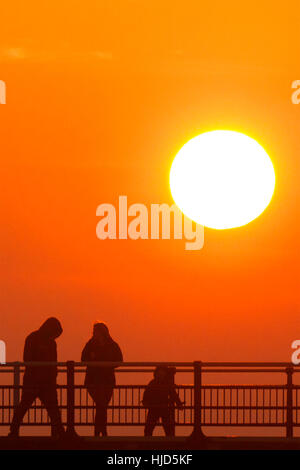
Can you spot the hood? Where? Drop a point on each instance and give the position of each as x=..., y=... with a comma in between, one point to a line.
x=51, y=328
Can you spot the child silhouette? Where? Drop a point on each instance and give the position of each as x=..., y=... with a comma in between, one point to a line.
x=159, y=397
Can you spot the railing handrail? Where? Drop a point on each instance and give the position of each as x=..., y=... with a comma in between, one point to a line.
x=153, y=364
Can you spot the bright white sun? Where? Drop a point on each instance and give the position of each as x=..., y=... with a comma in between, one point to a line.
x=222, y=179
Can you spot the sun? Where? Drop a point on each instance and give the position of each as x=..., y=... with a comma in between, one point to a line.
x=222, y=179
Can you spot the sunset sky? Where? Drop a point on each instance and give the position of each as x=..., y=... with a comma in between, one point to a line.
x=101, y=96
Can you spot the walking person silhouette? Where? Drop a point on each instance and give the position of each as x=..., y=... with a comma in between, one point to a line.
x=40, y=381
x=100, y=381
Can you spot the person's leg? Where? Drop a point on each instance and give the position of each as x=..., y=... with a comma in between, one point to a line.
x=28, y=397
x=152, y=418
x=48, y=397
x=107, y=394
x=166, y=422
x=93, y=394
x=97, y=396
x=172, y=419
x=101, y=396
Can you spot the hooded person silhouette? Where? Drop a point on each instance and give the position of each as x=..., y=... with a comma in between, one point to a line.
x=40, y=381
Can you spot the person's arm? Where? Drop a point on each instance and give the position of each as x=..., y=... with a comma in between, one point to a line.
x=54, y=352
x=85, y=355
x=53, y=358
x=117, y=354
x=175, y=397
x=28, y=354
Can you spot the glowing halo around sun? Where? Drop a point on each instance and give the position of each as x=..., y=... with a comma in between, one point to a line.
x=222, y=179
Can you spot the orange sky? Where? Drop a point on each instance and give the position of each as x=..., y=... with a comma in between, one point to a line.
x=100, y=97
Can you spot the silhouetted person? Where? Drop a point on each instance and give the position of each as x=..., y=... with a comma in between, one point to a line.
x=40, y=381
x=100, y=381
x=159, y=397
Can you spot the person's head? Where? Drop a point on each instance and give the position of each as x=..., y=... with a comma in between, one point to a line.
x=161, y=373
x=101, y=332
x=171, y=374
x=51, y=328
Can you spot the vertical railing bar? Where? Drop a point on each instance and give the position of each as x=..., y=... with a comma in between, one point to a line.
x=80, y=404
x=296, y=392
x=125, y=405
x=276, y=413
x=192, y=418
x=243, y=414
x=289, y=402
x=139, y=405
x=119, y=405
x=184, y=399
x=230, y=407
x=238, y=404
x=263, y=403
x=210, y=404
x=70, y=398
x=224, y=401
x=270, y=404
x=132, y=402
x=256, y=418
x=86, y=406
x=197, y=432
x=251, y=407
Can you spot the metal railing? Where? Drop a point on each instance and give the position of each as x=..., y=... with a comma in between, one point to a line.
x=205, y=404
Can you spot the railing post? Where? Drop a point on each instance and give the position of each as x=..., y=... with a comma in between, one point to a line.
x=70, y=398
x=197, y=432
x=172, y=406
x=16, y=397
x=289, y=402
